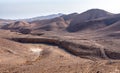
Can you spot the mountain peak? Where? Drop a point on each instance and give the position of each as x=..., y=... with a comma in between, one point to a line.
x=90, y=15
x=98, y=11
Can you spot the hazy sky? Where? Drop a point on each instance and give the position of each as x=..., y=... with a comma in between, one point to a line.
x=15, y=9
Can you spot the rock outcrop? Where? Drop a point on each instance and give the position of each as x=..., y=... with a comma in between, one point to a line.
x=86, y=49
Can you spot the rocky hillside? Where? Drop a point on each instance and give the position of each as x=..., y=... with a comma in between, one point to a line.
x=97, y=24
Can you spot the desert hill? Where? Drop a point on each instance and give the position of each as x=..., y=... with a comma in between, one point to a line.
x=58, y=23
x=5, y=22
x=50, y=25
x=18, y=26
x=89, y=20
x=96, y=24
x=90, y=15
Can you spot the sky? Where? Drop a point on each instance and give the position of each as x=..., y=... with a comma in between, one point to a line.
x=19, y=9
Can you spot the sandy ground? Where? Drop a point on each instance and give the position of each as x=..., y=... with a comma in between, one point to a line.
x=43, y=58
x=57, y=60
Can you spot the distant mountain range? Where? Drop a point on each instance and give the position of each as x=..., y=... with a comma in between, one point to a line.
x=92, y=20
x=43, y=17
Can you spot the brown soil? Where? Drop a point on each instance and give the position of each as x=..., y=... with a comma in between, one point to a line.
x=16, y=57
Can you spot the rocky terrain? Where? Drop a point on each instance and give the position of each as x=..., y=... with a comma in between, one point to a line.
x=74, y=43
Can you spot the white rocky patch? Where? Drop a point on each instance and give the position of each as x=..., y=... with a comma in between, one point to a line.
x=36, y=50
